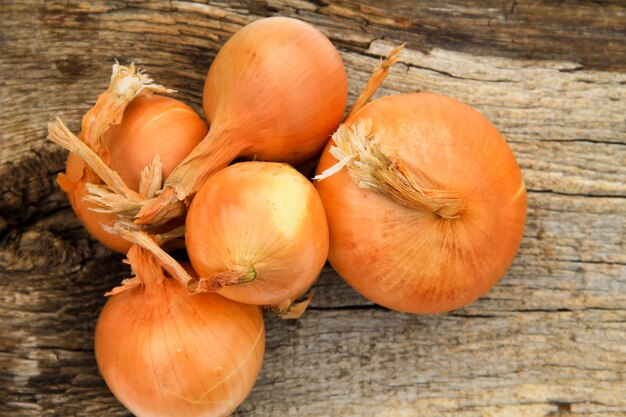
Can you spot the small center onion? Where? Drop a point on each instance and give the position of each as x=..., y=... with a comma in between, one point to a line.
x=164, y=353
x=150, y=125
x=439, y=209
x=256, y=232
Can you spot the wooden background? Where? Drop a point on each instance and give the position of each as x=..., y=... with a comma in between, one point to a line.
x=548, y=340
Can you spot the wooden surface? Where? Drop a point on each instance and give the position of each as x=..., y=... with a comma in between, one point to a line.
x=548, y=340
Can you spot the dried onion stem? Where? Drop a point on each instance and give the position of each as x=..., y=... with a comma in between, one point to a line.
x=61, y=135
x=170, y=264
x=378, y=76
x=238, y=275
x=127, y=83
x=370, y=168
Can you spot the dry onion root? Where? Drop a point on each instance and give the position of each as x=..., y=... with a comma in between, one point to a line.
x=426, y=204
x=164, y=353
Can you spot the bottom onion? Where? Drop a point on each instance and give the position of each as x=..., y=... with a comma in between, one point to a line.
x=163, y=352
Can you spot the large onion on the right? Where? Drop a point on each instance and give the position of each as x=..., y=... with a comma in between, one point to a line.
x=429, y=210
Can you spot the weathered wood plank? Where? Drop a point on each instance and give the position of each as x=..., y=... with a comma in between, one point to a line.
x=548, y=340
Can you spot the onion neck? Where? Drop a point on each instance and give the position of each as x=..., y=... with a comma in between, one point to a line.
x=218, y=149
x=237, y=275
x=146, y=267
x=149, y=271
x=371, y=169
x=162, y=259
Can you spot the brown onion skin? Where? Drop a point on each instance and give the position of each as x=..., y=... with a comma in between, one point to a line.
x=163, y=352
x=150, y=125
x=280, y=86
x=412, y=260
x=91, y=220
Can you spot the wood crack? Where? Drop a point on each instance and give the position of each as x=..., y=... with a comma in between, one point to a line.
x=592, y=262
x=570, y=194
x=438, y=71
x=581, y=140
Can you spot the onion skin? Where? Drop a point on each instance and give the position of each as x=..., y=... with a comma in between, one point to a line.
x=164, y=353
x=263, y=215
x=280, y=86
x=150, y=125
x=413, y=260
x=91, y=220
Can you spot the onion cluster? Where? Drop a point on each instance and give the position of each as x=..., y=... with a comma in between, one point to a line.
x=419, y=205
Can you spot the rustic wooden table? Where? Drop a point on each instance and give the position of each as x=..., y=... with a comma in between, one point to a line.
x=548, y=340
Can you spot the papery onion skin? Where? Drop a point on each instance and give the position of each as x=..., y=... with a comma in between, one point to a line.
x=413, y=260
x=150, y=125
x=92, y=221
x=164, y=353
x=281, y=86
x=260, y=214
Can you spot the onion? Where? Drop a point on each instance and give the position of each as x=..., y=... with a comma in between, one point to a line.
x=275, y=92
x=257, y=233
x=163, y=352
x=430, y=209
x=154, y=125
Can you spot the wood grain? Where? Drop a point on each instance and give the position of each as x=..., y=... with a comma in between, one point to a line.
x=548, y=340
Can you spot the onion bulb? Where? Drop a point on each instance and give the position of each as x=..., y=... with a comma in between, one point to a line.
x=256, y=232
x=275, y=92
x=165, y=353
x=150, y=125
x=429, y=211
